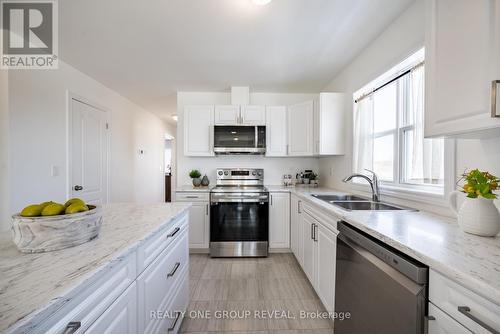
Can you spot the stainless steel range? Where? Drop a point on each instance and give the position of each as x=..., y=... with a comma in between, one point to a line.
x=239, y=214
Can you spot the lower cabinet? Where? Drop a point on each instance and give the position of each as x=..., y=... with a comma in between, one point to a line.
x=279, y=220
x=199, y=218
x=441, y=323
x=309, y=247
x=326, y=250
x=294, y=225
x=120, y=317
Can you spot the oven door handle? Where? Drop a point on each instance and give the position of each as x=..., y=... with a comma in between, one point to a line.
x=240, y=200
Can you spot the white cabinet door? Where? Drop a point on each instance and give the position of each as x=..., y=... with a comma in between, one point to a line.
x=309, y=247
x=120, y=317
x=253, y=115
x=329, y=124
x=198, y=130
x=294, y=225
x=462, y=60
x=326, y=243
x=443, y=323
x=276, y=131
x=199, y=224
x=279, y=220
x=227, y=115
x=301, y=129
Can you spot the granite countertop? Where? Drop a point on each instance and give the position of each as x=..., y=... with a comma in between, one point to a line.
x=434, y=240
x=191, y=188
x=36, y=284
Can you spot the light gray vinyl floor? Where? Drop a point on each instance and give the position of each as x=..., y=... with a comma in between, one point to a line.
x=265, y=295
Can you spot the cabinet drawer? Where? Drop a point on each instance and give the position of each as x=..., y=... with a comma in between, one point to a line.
x=156, y=284
x=328, y=220
x=442, y=323
x=91, y=302
x=147, y=253
x=192, y=197
x=178, y=304
x=471, y=310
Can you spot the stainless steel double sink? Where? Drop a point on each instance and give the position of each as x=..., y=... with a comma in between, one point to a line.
x=355, y=203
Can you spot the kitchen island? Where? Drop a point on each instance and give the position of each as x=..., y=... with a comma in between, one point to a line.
x=41, y=292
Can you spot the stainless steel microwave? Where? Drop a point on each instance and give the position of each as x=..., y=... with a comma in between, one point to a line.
x=239, y=139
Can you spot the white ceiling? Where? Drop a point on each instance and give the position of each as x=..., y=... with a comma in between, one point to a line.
x=148, y=50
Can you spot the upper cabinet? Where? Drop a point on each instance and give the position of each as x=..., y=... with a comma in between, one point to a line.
x=198, y=130
x=253, y=115
x=462, y=62
x=329, y=124
x=301, y=129
x=276, y=134
x=227, y=115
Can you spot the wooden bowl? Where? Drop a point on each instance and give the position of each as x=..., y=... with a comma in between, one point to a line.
x=45, y=234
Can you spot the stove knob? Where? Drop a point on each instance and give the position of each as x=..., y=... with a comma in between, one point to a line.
x=220, y=173
x=254, y=173
x=260, y=173
x=226, y=173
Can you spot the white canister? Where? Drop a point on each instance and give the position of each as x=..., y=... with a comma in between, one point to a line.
x=477, y=216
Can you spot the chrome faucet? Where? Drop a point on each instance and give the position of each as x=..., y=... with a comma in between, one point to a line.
x=373, y=183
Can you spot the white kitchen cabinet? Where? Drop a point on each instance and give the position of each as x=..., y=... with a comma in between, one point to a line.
x=309, y=249
x=227, y=115
x=253, y=115
x=294, y=225
x=279, y=220
x=326, y=244
x=198, y=130
x=329, y=124
x=199, y=218
x=301, y=129
x=120, y=317
x=276, y=131
x=441, y=323
x=462, y=60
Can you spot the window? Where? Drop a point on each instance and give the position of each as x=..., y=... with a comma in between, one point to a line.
x=389, y=130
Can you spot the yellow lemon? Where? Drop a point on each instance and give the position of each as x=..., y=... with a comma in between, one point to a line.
x=44, y=204
x=32, y=211
x=53, y=209
x=76, y=207
x=74, y=201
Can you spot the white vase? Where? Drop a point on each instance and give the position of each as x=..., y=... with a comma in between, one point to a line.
x=477, y=216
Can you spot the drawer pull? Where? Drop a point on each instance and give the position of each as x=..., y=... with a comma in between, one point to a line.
x=174, y=269
x=174, y=232
x=465, y=310
x=192, y=197
x=72, y=327
x=171, y=328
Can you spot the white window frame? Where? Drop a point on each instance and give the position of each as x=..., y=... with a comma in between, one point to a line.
x=424, y=193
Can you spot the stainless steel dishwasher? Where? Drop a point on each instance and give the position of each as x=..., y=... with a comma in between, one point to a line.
x=384, y=290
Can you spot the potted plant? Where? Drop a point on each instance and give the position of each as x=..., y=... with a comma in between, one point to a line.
x=478, y=214
x=313, y=178
x=195, y=175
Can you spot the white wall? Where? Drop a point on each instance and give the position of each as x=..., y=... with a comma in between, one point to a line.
x=4, y=136
x=274, y=168
x=38, y=135
x=404, y=36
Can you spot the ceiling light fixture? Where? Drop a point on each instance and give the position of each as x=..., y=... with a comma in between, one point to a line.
x=261, y=2
x=175, y=117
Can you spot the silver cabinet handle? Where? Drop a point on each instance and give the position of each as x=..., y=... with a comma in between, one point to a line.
x=315, y=234
x=78, y=188
x=465, y=310
x=206, y=210
x=192, y=196
x=174, y=269
x=171, y=328
x=494, y=98
x=72, y=327
x=174, y=232
x=298, y=207
x=271, y=198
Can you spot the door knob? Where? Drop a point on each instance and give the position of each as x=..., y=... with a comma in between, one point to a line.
x=78, y=188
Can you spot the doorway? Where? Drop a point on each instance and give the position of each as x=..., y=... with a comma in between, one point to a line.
x=88, y=151
x=169, y=166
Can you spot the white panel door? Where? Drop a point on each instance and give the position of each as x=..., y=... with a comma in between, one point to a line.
x=253, y=115
x=330, y=124
x=276, y=131
x=227, y=115
x=88, y=152
x=443, y=323
x=199, y=224
x=462, y=60
x=120, y=317
x=294, y=225
x=198, y=130
x=326, y=243
x=279, y=220
x=309, y=247
x=301, y=129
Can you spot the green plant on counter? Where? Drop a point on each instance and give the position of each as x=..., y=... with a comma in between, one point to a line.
x=313, y=176
x=479, y=183
x=194, y=174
